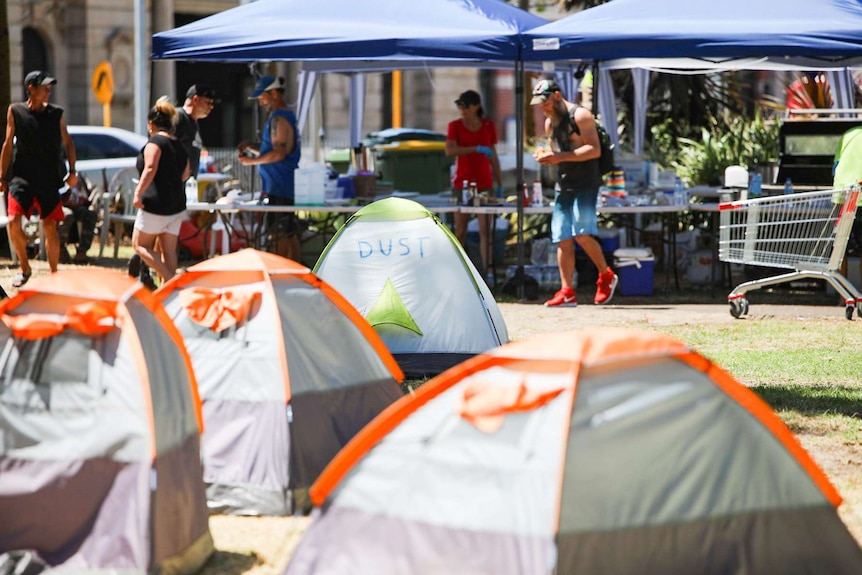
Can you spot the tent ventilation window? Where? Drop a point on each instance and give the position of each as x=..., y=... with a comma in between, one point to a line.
x=42, y=366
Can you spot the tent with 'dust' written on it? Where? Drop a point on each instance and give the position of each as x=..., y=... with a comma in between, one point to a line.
x=411, y=280
x=608, y=451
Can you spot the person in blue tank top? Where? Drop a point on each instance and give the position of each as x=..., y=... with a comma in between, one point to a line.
x=276, y=159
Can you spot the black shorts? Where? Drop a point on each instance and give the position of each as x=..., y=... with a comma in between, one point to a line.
x=24, y=193
x=282, y=223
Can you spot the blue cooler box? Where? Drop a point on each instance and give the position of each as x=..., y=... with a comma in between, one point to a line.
x=635, y=268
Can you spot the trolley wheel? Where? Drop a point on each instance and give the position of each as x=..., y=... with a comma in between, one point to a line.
x=738, y=307
x=848, y=311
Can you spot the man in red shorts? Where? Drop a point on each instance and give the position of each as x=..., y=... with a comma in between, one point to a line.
x=32, y=170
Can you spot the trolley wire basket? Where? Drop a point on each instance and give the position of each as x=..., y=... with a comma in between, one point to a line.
x=803, y=232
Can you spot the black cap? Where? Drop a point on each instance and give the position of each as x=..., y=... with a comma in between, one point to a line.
x=203, y=90
x=38, y=78
x=469, y=98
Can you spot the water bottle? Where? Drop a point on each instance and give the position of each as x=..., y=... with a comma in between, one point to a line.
x=755, y=189
x=788, y=186
x=537, y=193
x=191, y=190
x=465, y=193
x=474, y=195
x=678, y=192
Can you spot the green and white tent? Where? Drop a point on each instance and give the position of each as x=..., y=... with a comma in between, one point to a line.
x=410, y=278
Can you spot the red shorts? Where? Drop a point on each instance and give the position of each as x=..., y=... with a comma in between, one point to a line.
x=15, y=209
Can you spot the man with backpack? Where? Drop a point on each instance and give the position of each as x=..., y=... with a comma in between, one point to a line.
x=575, y=149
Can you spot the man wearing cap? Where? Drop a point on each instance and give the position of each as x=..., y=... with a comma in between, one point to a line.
x=200, y=100
x=277, y=158
x=575, y=150
x=36, y=135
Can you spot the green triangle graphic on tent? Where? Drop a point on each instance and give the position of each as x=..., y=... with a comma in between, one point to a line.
x=389, y=308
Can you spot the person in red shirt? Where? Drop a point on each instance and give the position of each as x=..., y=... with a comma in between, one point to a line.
x=472, y=141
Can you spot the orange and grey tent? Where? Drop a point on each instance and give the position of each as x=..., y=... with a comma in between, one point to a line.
x=603, y=452
x=99, y=430
x=288, y=371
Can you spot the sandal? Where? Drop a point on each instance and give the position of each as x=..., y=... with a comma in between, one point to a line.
x=21, y=279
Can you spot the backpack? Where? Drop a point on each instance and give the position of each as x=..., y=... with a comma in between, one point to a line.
x=606, y=157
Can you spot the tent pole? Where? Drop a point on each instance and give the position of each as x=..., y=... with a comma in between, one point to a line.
x=519, y=167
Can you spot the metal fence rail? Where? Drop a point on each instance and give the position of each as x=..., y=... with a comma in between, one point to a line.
x=224, y=160
x=805, y=232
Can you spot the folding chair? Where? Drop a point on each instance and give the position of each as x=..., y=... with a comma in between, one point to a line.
x=120, y=192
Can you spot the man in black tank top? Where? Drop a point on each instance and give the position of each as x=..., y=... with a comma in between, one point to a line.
x=575, y=150
x=32, y=169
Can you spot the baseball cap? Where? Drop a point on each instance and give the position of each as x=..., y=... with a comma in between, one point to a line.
x=202, y=90
x=38, y=78
x=267, y=83
x=469, y=98
x=543, y=90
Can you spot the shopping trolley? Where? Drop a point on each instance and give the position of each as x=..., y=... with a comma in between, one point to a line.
x=805, y=232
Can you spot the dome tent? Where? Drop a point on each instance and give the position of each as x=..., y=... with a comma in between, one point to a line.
x=288, y=372
x=616, y=451
x=409, y=277
x=99, y=462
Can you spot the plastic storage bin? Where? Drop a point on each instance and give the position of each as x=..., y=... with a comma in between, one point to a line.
x=309, y=185
x=414, y=166
x=635, y=268
x=339, y=159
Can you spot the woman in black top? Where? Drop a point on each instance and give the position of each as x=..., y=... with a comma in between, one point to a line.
x=160, y=195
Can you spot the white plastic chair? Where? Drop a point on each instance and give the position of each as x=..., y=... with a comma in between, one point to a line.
x=120, y=191
x=736, y=180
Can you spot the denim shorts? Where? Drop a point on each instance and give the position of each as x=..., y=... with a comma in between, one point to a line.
x=574, y=214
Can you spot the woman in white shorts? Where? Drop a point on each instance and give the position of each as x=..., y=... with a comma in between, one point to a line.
x=160, y=194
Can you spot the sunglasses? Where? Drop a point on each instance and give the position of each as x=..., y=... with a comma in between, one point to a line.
x=462, y=105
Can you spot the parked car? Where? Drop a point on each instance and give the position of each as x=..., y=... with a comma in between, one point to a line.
x=101, y=148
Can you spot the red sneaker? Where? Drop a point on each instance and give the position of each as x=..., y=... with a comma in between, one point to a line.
x=605, y=286
x=564, y=298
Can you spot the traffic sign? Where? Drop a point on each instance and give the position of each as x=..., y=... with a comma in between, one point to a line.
x=103, y=82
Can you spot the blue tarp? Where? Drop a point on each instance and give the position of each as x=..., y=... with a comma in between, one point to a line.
x=352, y=31
x=811, y=31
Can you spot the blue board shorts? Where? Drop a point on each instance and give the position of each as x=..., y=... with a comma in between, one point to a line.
x=574, y=214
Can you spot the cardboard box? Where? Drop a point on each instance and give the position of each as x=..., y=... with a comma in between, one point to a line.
x=364, y=186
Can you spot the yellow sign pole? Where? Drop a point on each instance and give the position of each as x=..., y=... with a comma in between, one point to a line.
x=103, y=88
x=396, y=98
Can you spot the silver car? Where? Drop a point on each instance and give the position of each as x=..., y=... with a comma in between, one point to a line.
x=104, y=151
